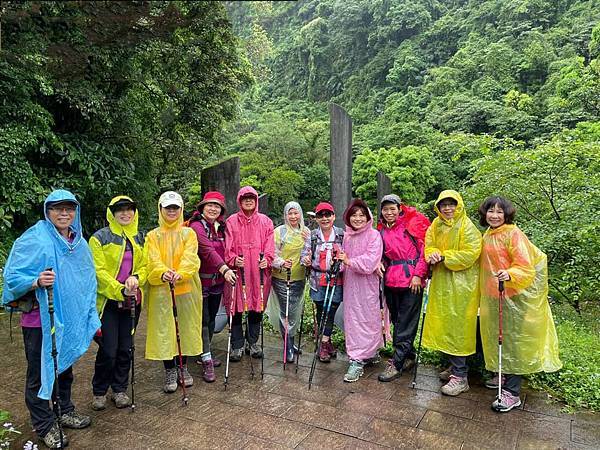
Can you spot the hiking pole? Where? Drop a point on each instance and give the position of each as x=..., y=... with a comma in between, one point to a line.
x=54, y=353
x=231, y=308
x=500, y=337
x=243, y=275
x=324, y=314
x=262, y=308
x=381, y=287
x=184, y=399
x=301, y=321
x=425, y=301
x=132, y=300
x=286, y=330
x=318, y=331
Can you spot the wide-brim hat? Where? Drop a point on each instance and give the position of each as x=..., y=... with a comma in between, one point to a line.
x=212, y=197
x=121, y=203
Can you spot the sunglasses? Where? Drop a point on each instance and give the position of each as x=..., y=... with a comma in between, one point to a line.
x=327, y=215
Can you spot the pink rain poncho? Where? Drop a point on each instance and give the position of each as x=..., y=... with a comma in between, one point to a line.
x=362, y=317
x=249, y=237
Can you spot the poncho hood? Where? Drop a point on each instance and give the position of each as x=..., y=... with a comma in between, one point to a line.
x=162, y=222
x=130, y=230
x=351, y=231
x=459, y=213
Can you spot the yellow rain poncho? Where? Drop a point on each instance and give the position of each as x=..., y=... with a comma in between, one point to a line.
x=108, y=246
x=451, y=321
x=530, y=343
x=172, y=246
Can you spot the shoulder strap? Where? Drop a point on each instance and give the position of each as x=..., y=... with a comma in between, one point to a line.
x=414, y=242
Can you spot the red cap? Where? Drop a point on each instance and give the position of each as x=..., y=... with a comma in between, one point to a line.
x=323, y=206
x=212, y=197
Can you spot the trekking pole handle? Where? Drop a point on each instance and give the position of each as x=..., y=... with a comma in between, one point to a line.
x=50, y=290
x=242, y=273
x=501, y=285
x=261, y=271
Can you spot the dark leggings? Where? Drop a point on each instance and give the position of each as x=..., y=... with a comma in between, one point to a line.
x=329, y=319
x=172, y=363
x=210, y=307
x=405, y=309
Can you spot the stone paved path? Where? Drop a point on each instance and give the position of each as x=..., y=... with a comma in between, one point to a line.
x=280, y=412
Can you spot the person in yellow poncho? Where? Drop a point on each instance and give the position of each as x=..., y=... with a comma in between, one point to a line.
x=120, y=271
x=452, y=246
x=530, y=343
x=173, y=257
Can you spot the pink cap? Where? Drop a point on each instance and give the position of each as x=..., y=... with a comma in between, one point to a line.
x=323, y=206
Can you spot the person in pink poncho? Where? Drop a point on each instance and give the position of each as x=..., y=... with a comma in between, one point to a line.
x=248, y=234
x=361, y=255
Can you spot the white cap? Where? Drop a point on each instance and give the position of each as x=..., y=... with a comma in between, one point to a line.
x=170, y=198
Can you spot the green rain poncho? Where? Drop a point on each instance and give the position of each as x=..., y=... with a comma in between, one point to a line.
x=530, y=343
x=451, y=321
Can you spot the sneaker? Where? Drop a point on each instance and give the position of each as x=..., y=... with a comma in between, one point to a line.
x=455, y=386
x=255, y=351
x=390, y=373
x=216, y=362
x=369, y=362
x=492, y=383
x=75, y=420
x=99, y=402
x=355, y=371
x=445, y=374
x=324, y=355
x=170, y=380
x=52, y=438
x=507, y=402
x=121, y=399
x=208, y=371
x=409, y=363
x=187, y=377
x=236, y=354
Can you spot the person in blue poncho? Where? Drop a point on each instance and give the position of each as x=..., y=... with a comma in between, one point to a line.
x=55, y=243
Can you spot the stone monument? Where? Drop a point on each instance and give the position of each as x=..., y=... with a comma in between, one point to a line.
x=225, y=178
x=340, y=160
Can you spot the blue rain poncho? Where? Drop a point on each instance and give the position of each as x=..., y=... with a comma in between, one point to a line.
x=75, y=316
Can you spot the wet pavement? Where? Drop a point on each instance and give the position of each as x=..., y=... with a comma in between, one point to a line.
x=280, y=412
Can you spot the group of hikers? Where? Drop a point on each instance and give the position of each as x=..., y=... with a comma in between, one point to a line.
x=70, y=292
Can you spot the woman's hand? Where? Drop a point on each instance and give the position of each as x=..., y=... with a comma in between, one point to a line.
x=380, y=270
x=435, y=258
x=415, y=285
x=307, y=260
x=343, y=257
x=239, y=261
x=171, y=276
x=46, y=278
x=262, y=264
x=230, y=277
x=287, y=264
x=503, y=275
x=305, y=233
x=131, y=284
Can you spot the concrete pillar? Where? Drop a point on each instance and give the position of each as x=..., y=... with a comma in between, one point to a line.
x=340, y=160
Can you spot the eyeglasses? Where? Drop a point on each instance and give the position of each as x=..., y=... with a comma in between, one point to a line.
x=173, y=207
x=67, y=209
x=446, y=205
x=326, y=214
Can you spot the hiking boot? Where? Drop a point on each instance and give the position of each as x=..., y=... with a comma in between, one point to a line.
x=409, y=363
x=370, y=362
x=507, y=402
x=187, y=377
x=445, y=374
x=236, y=354
x=390, y=373
x=121, y=399
x=324, y=355
x=216, y=362
x=99, y=402
x=455, y=386
x=255, y=351
x=355, y=371
x=52, y=438
x=331, y=349
x=75, y=420
x=170, y=380
x=492, y=383
x=208, y=371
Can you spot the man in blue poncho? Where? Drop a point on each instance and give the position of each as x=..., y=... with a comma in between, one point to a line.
x=53, y=253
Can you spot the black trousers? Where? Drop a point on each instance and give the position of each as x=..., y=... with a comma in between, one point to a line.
x=330, y=317
x=405, y=310
x=252, y=333
x=210, y=307
x=42, y=415
x=113, y=359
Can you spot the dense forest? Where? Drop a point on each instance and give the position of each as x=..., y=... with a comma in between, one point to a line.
x=482, y=96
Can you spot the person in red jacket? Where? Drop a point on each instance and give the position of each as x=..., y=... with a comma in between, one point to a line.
x=208, y=223
x=404, y=269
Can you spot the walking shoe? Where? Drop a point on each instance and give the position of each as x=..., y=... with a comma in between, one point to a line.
x=170, y=380
x=216, y=362
x=492, y=383
x=507, y=402
x=445, y=374
x=355, y=371
x=236, y=354
x=254, y=350
x=52, y=438
x=409, y=363
x=390, y=373
x=208, y=371
x=324, y=355
x=75, y=420
x=187, y=378
x=369, y=362
x=455, y=386
x=121, y=399
x=99, y=402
